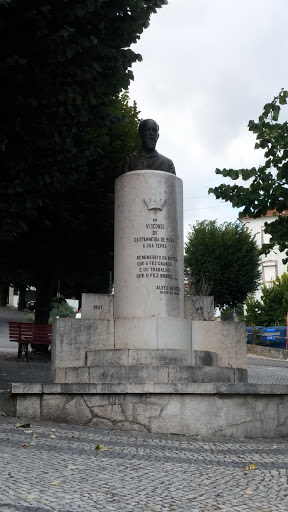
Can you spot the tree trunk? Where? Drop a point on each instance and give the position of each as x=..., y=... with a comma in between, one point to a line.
x=4, y=291
x=44, y=290
x=22, y=294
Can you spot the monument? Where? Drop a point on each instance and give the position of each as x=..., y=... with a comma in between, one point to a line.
x=146, y=359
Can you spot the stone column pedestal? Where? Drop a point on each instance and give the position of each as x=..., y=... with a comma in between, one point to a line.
x=149, y=263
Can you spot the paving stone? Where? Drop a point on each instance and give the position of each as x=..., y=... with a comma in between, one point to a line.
x=139, y=472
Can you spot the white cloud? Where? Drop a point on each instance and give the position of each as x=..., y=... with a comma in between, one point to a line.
x=208, y=68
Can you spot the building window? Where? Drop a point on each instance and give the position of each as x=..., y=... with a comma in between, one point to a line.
x=269, y=272
x=265, y=238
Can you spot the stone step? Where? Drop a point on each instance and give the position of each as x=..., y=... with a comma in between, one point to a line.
x=154, y=357
x=136, y=357
x=148, y=374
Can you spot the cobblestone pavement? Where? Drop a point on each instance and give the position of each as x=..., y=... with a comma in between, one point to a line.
x=60, y=470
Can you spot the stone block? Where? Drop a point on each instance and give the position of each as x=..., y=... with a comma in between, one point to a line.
x=227, y=339
x=139, y=374
x=99, y=400
x=174, y=333
x=241, y=375
x=204, y=358
x=59, y=375
x=27, y=387
x=159, y=357
x=77, y=375
x=136, y=333
x=28, y=406
x=199, y=307
x=144, y=412
x=97, y=306
x=108, y=374
x=52, y=406
x=200, y=374
x=73, y=337
x=111, y=412
x=76, y=410
x=51, y=388
x=113, y=357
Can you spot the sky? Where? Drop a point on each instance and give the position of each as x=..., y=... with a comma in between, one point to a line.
x=208, y=68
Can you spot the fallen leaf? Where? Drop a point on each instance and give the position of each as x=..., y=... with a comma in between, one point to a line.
x=53, y=429
x=250, y=466
x=24, y=425
x=2, y=413
x=25, y=445
x=72, y=467
x=249, y=493
x=101, y=448
x=103, y=460
x=52, y=437
x=31, y=496
x=275, y=446
x=55, y=483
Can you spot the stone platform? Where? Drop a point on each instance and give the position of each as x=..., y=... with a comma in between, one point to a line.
x=196, y=409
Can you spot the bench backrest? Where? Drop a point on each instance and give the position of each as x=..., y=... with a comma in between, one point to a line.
x=30, y=333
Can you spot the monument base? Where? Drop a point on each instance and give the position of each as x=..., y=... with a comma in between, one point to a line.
x=233, y=411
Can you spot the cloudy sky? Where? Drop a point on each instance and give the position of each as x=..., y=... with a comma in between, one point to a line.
x=208, y=67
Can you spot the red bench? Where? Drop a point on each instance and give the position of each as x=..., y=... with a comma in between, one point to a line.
x=25, y=333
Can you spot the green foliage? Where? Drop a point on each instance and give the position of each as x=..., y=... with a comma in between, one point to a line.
x=225, y=257
x=64, y=133
x=267, y=189
x=62, y=66
x=228, y=313
x=61, y=310
x=273, y=307
x=30, y=318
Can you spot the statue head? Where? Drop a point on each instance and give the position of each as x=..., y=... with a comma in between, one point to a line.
x=149, y=133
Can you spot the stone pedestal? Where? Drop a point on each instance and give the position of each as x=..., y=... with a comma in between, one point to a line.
x=149, y=263
x=142, y=344
x=139, y=338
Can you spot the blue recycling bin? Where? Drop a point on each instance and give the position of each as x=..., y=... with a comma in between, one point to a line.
x=274, y=337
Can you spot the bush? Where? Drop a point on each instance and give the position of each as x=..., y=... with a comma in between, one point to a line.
x=61, y=310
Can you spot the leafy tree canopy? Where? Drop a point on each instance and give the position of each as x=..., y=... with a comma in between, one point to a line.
x=267, y=188
x=62, y=63
x=223, y=261
x=273, y=307
x=74, y=243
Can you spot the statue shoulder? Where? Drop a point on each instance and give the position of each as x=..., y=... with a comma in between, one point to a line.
x=169, y=166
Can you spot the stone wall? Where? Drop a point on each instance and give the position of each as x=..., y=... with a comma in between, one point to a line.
x=273, y=353
x=212, y=410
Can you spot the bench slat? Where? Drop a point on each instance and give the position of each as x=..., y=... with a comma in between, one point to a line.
x=24, y=332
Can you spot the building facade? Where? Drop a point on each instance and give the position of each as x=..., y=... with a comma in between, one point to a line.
x=271, y=264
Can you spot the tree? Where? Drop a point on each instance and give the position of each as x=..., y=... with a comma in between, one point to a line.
x=267, y=188
x=62, y=68
x=76, y=241
x=228, y=313
x=273, y=306
x=225, y=258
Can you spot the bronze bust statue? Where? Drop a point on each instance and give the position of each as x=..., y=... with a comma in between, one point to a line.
x=147, y=158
